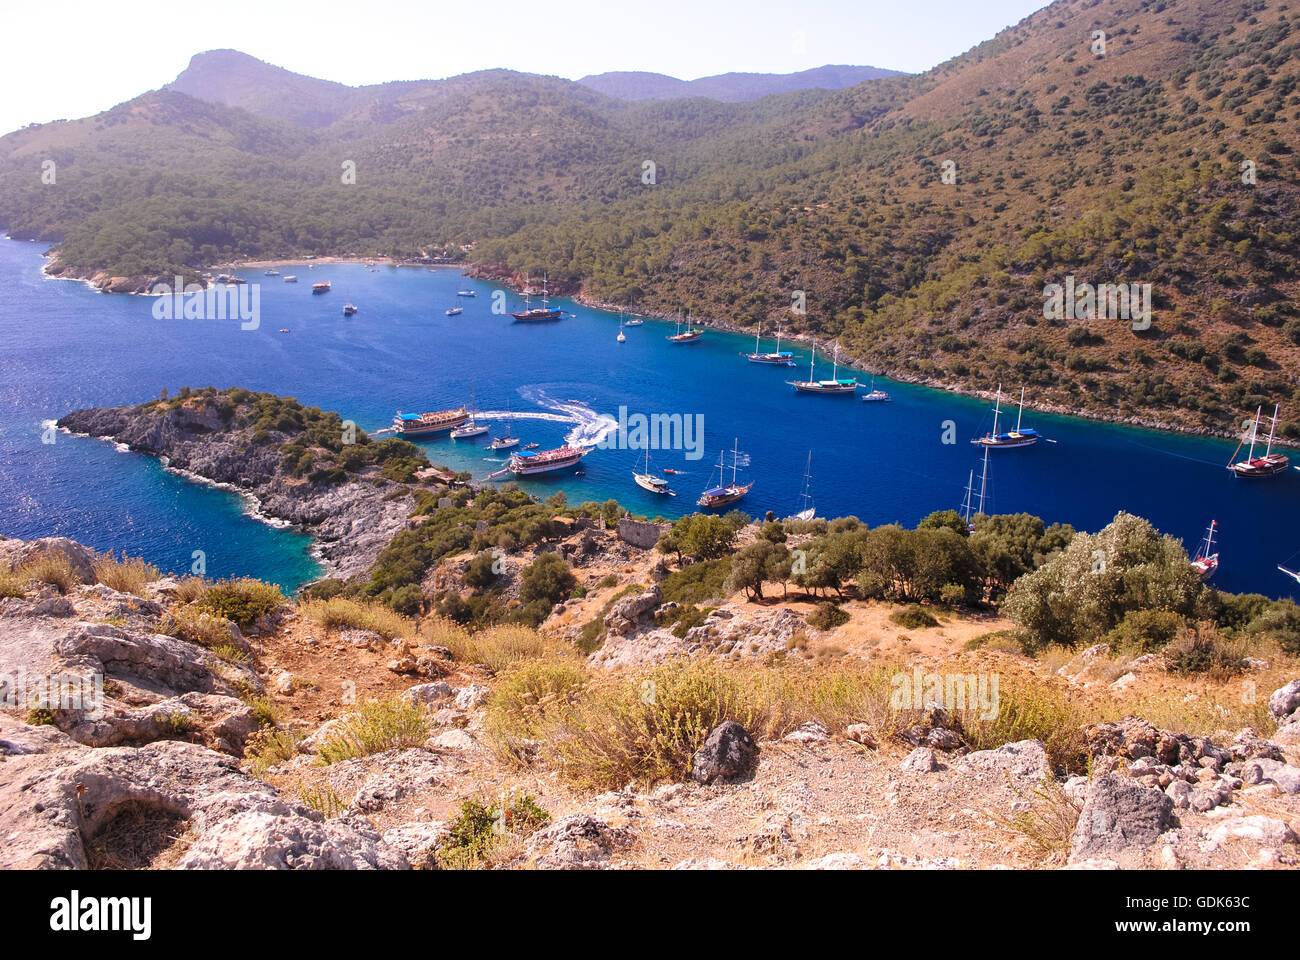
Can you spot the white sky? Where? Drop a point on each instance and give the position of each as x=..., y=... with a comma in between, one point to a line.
x=76, y=58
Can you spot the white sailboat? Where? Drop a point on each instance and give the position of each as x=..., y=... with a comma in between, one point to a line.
x=471, y=428
x=507, y=441
x=651, y=482
x=968, y=504
x=809, y=509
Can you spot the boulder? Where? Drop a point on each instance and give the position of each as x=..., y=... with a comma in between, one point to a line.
x=1284, y=704
x=728, y=752
x=1120, y=818
x=1133, y=737
x=628, y=615
x=576, y=842
x=920, y=760
x=1024, y=758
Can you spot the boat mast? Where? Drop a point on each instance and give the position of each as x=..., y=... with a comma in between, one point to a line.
x=778, y=338
x=735, y=457
x=1270, y=431
x=811, y=360
x=984, y=479
x=1022, y=408
x=835, y=365
x=1254, y=431
x=966, y=504
x=997, y=409
x=756, y=336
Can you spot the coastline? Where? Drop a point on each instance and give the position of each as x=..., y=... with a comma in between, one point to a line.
x=509, y=279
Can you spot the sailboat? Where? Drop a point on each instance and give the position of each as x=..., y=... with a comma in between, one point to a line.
x=541, y=314
x=1019, y=437
x=507, y=441
x=691, y=335
x=1270, y=464
x=1207, y=562
x=809, y=509
x=636, y=321
x=622, y=337
x=835, y=385
x=875, y=396
x=454, y=311
x=648, y=481
x=721, y=496
x=777, y=357
x=472, y=428
x=969, y=503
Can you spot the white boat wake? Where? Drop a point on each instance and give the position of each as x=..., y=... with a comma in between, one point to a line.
x=589, y=427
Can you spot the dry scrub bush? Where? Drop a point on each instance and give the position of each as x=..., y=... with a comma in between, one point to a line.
x=339, y=613
x=128, y=575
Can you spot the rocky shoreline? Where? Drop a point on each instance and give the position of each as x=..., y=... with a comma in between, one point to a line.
x=350, y=522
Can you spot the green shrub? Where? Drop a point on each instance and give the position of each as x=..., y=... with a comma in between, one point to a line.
x=480, y=829
x=914, y=617
x=391, y=724
x=828, y=616
x=242, y=601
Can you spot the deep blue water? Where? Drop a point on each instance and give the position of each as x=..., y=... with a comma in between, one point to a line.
x=64, y=346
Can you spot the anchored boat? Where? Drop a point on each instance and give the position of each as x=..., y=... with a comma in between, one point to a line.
x=425, y=424
x=540, y=314
x=506, y=442
x=835, y=385
x=809, y=508
x=778, y=358
x=721, y=496
x=648, y=481
x=349, y=310
x=454, y=311
x=323, y=287
x=875, y=396
x=472, y=428
x=1206, y=562
x=690, y=336
x=1019, y=437
x=1270, y=464
x=969, y=503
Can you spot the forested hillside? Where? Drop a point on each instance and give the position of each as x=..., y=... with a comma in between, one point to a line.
x=1168, y=158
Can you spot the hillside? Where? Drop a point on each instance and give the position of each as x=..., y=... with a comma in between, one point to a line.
x=728, y=87
x=1125, y=167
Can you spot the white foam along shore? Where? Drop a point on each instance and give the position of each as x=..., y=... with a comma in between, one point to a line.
x=251, y=505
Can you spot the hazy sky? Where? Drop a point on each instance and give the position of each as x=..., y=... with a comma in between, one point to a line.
x=76, y=58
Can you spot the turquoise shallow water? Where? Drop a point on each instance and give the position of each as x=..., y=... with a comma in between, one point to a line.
x=64, y=346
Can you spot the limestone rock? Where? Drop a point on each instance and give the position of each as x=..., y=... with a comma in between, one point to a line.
x=728, y=752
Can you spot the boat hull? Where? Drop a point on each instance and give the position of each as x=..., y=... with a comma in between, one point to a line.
x=537, y=316
x=548, y=461
x=732, y=495
x=835, y=390
x=1269, y=466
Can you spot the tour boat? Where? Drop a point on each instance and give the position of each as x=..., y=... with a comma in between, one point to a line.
x=648, y=481
x=472, y=428
x=1206, y=562
x=424, y=424
x=778, y=357
x=875, y=396
x=290, y=279
x=809, y=509
x=455, y=311
x=323, y=287
x=540, y=314
x=691, y=335
x=348, y=309
x=1016, y=438
x=544, y=461
x=722, y=495
x=1270, y=464
x=835, y=385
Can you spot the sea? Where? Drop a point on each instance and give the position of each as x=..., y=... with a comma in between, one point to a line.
x=65, y=346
